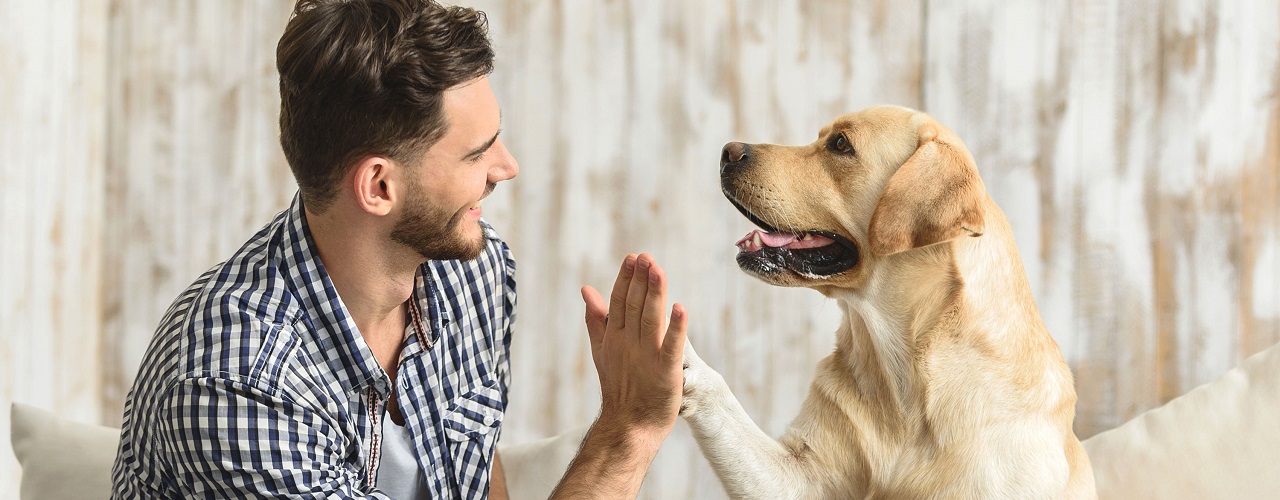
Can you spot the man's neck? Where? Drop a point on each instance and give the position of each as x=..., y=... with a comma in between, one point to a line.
x=373, y=280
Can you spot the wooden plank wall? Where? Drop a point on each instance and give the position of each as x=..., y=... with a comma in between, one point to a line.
x=195, y=166
x=52, y=153
x=1135, y=147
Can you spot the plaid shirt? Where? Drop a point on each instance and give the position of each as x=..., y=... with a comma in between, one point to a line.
x=258, y=383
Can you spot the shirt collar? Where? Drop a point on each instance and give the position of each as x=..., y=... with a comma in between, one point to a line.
x=332, y=328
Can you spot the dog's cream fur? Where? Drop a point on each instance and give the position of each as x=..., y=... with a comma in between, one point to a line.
x=944, y=382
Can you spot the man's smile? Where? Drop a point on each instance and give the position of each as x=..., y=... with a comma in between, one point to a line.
x=475, y=210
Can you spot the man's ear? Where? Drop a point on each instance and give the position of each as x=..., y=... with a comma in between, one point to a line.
x=373, y=185
x=935, y=196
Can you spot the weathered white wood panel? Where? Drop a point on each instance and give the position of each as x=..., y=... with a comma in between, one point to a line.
x=194, y=166
x=52, y=86
x=1133, y=146
x=640, y=97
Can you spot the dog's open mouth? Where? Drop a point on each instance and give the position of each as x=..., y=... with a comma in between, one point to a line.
x=810, y=253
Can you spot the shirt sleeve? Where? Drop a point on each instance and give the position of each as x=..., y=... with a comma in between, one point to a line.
x=225, y=438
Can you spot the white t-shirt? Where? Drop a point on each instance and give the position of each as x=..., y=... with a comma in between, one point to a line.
x=398, y=473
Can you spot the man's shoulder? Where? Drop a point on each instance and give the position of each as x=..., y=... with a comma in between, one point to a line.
x=231, y=313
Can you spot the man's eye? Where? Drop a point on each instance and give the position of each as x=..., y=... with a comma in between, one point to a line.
x=840, y=144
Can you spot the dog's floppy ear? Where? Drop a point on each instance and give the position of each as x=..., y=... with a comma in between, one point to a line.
x=935, y=196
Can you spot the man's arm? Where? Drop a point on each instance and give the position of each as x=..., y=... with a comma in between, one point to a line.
x=497, y=480
x=638, y=356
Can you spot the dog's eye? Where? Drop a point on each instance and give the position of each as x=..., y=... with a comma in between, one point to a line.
x=840, y=144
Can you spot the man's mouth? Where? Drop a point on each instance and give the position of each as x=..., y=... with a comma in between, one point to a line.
x=810, y=253
x=487, y=191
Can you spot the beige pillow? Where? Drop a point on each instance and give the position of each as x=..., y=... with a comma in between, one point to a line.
x=1221, y=440
x=534, y=468
x=61, y=459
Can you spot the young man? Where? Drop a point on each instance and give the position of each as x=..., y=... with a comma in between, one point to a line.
x=357, y=346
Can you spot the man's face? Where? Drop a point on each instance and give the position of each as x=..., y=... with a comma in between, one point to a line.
x=441, y=213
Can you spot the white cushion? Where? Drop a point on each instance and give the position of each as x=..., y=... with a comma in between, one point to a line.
x=61, y=459
x=534, y=468
x=1221, y=440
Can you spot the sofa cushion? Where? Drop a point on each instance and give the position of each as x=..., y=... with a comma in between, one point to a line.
x=61, y=459
x=1221, y=440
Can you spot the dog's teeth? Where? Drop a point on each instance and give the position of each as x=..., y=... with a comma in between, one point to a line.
x=757, y=241
x=807, y=237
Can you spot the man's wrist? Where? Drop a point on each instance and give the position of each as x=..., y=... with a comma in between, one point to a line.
x=633, y=438
x=613, y=459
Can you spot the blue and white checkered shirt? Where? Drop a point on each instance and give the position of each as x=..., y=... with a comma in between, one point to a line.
x=258, y=384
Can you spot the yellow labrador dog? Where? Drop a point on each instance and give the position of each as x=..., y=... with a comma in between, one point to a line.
x=944, y=382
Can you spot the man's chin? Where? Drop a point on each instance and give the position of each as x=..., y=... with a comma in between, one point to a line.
x=456, y=253
x=460, y=247
x=462, y=239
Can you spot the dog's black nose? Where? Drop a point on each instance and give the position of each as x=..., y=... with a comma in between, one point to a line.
x=734, y=155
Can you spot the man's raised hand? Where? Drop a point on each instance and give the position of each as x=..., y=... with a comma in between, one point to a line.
x=637, y=351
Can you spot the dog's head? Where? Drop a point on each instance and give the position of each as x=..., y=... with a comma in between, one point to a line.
x=876, y=183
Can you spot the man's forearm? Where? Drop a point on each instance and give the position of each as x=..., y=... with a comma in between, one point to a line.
x=611, y=464
x=498, y=480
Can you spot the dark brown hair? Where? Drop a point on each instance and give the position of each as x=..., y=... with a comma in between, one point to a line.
x=362, y=77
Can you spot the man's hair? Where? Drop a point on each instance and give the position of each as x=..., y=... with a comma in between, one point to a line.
x=367, y=77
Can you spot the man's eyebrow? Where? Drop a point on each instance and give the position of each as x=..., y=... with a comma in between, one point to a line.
x=483, y=147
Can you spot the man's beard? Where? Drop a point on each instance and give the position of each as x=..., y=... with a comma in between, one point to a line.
x=432, y=231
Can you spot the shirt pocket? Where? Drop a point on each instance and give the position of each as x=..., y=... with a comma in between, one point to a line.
x=474, y=415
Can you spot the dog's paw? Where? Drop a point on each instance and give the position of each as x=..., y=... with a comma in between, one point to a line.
x=701, y=383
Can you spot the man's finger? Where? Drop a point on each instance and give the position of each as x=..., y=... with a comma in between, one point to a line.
x=596, y=314
x=677, y=333
x=638, y=290
x=618, y=298
x=655, y=308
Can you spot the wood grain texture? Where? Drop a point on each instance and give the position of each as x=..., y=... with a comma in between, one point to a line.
x=52, y=144
x=642, y=96
x=194, y=166
x=1134, y=146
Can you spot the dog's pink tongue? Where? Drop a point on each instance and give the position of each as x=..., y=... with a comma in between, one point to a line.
x=776, y=239
x=757, y=239
x=814, y=241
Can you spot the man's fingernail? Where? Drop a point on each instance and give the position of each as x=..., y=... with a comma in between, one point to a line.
x=644, y=263
x=629, y=263
x=653, y=277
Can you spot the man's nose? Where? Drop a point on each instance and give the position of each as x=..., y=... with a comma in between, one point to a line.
x=506, y=167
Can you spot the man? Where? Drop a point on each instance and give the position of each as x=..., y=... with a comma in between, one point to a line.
x=356, y=347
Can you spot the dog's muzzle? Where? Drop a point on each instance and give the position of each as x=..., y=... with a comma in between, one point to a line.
x=810, y=253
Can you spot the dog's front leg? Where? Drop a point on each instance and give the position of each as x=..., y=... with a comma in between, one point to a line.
x=749, y=463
